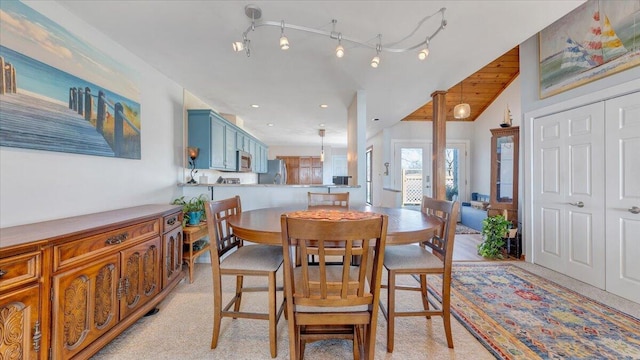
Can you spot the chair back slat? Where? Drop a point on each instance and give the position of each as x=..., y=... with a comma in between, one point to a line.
x=218, y=213
x=328, y=200
x=441, y=243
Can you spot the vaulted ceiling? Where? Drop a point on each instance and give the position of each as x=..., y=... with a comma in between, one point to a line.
x=478, y=90
x=190, y=42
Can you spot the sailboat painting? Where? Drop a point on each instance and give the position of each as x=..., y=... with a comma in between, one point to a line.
x=595, y=40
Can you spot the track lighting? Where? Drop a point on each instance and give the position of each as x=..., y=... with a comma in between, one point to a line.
x=339, y=49
x=424, y=53
x=284, y=42
x=254, y=13
x=238, y=46
x=376, y=59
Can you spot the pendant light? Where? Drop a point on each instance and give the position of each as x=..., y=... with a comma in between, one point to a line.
x=321, y=133
x=462, y=110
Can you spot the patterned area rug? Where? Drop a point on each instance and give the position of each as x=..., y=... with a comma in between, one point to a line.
x=519, y=315
x=462, y=229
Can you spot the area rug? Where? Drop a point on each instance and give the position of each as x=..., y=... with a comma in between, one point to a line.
x=519, y=315
x=463, y=229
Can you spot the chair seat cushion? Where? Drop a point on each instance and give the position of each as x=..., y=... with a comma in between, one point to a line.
x=406, y=257
x=254, y=257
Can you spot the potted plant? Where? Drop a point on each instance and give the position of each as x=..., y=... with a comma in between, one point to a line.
x=193, y=209
x=494, y=230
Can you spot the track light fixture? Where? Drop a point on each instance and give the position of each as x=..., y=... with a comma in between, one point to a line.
x=284, y=42
x=422, y=55
x=254, y=13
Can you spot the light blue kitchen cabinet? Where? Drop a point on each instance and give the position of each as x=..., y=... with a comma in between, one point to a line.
x=219, y=141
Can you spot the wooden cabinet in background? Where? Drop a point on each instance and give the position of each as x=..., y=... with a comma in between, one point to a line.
x=505, y=145
x=20, y=320
x=303, y=170
x=70, y=286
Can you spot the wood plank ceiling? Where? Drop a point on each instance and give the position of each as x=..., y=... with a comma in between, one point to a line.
x=478, y=90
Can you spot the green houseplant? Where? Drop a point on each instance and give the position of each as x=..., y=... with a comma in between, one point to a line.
x=193, y=208
x=494, y=230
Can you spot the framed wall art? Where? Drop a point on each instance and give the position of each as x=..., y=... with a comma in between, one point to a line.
x=59, y=93
x=595, y=40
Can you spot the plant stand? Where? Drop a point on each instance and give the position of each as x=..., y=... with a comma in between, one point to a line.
x=191, y=235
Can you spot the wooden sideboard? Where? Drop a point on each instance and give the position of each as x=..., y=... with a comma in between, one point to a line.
x=69, y=286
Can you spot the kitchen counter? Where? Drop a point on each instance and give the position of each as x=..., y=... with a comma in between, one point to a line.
x=256, y=196
x=273, y=185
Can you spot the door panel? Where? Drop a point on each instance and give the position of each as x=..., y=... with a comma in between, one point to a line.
x=568, y=188
x=623, y=193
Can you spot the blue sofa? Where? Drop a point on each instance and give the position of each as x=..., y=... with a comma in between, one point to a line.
x=472, y=216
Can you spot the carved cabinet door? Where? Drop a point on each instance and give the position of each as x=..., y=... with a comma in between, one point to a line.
x=85, y=305
x=172, y=250
x=20, y=328
x=140, y=275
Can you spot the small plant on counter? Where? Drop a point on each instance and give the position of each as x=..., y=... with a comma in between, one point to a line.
x=494, y=230
x=193, y=209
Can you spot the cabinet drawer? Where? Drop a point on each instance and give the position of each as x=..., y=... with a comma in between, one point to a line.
x=172, y=221
x=18, y=270
x=115, y=240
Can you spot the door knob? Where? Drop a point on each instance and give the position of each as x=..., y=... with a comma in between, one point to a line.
x=579, y=204
x=634, y=210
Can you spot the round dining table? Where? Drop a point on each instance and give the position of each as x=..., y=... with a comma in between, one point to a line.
x=263, y=225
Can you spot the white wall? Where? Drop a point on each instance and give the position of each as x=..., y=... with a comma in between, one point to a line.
x=40, y=185
x=481, y=140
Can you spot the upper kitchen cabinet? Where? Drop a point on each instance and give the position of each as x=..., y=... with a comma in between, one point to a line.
x=219, y=140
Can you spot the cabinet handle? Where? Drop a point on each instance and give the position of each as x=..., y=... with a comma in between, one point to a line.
x=37, y=335
x=172, y=221
x=634, y=210
x=2, y=272
x=118, y=239
x=579, y=204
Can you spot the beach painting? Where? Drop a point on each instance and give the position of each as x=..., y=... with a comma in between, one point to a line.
x=59, y=93
x=597, y=39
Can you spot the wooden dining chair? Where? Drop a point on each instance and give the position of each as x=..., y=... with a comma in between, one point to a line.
x=333, y=301
x=229, y=256
x=328, y=200
x=433, y=256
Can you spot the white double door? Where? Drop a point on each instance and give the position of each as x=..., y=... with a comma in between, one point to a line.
x=586, y=180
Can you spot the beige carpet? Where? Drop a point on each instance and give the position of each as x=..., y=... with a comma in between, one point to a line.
x=182, y=329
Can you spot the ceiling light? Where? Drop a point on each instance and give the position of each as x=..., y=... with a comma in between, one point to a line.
x=254, y=13
x=255, y=106
x=270, y=124
x=321, y=124
x=284, y=42
x=324, y=106
x=462, y=110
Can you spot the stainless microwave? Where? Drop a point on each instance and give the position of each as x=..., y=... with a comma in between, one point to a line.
x=244, y=161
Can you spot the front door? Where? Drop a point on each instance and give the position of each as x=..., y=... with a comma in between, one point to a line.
x=623, y=196
x=568, y=193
